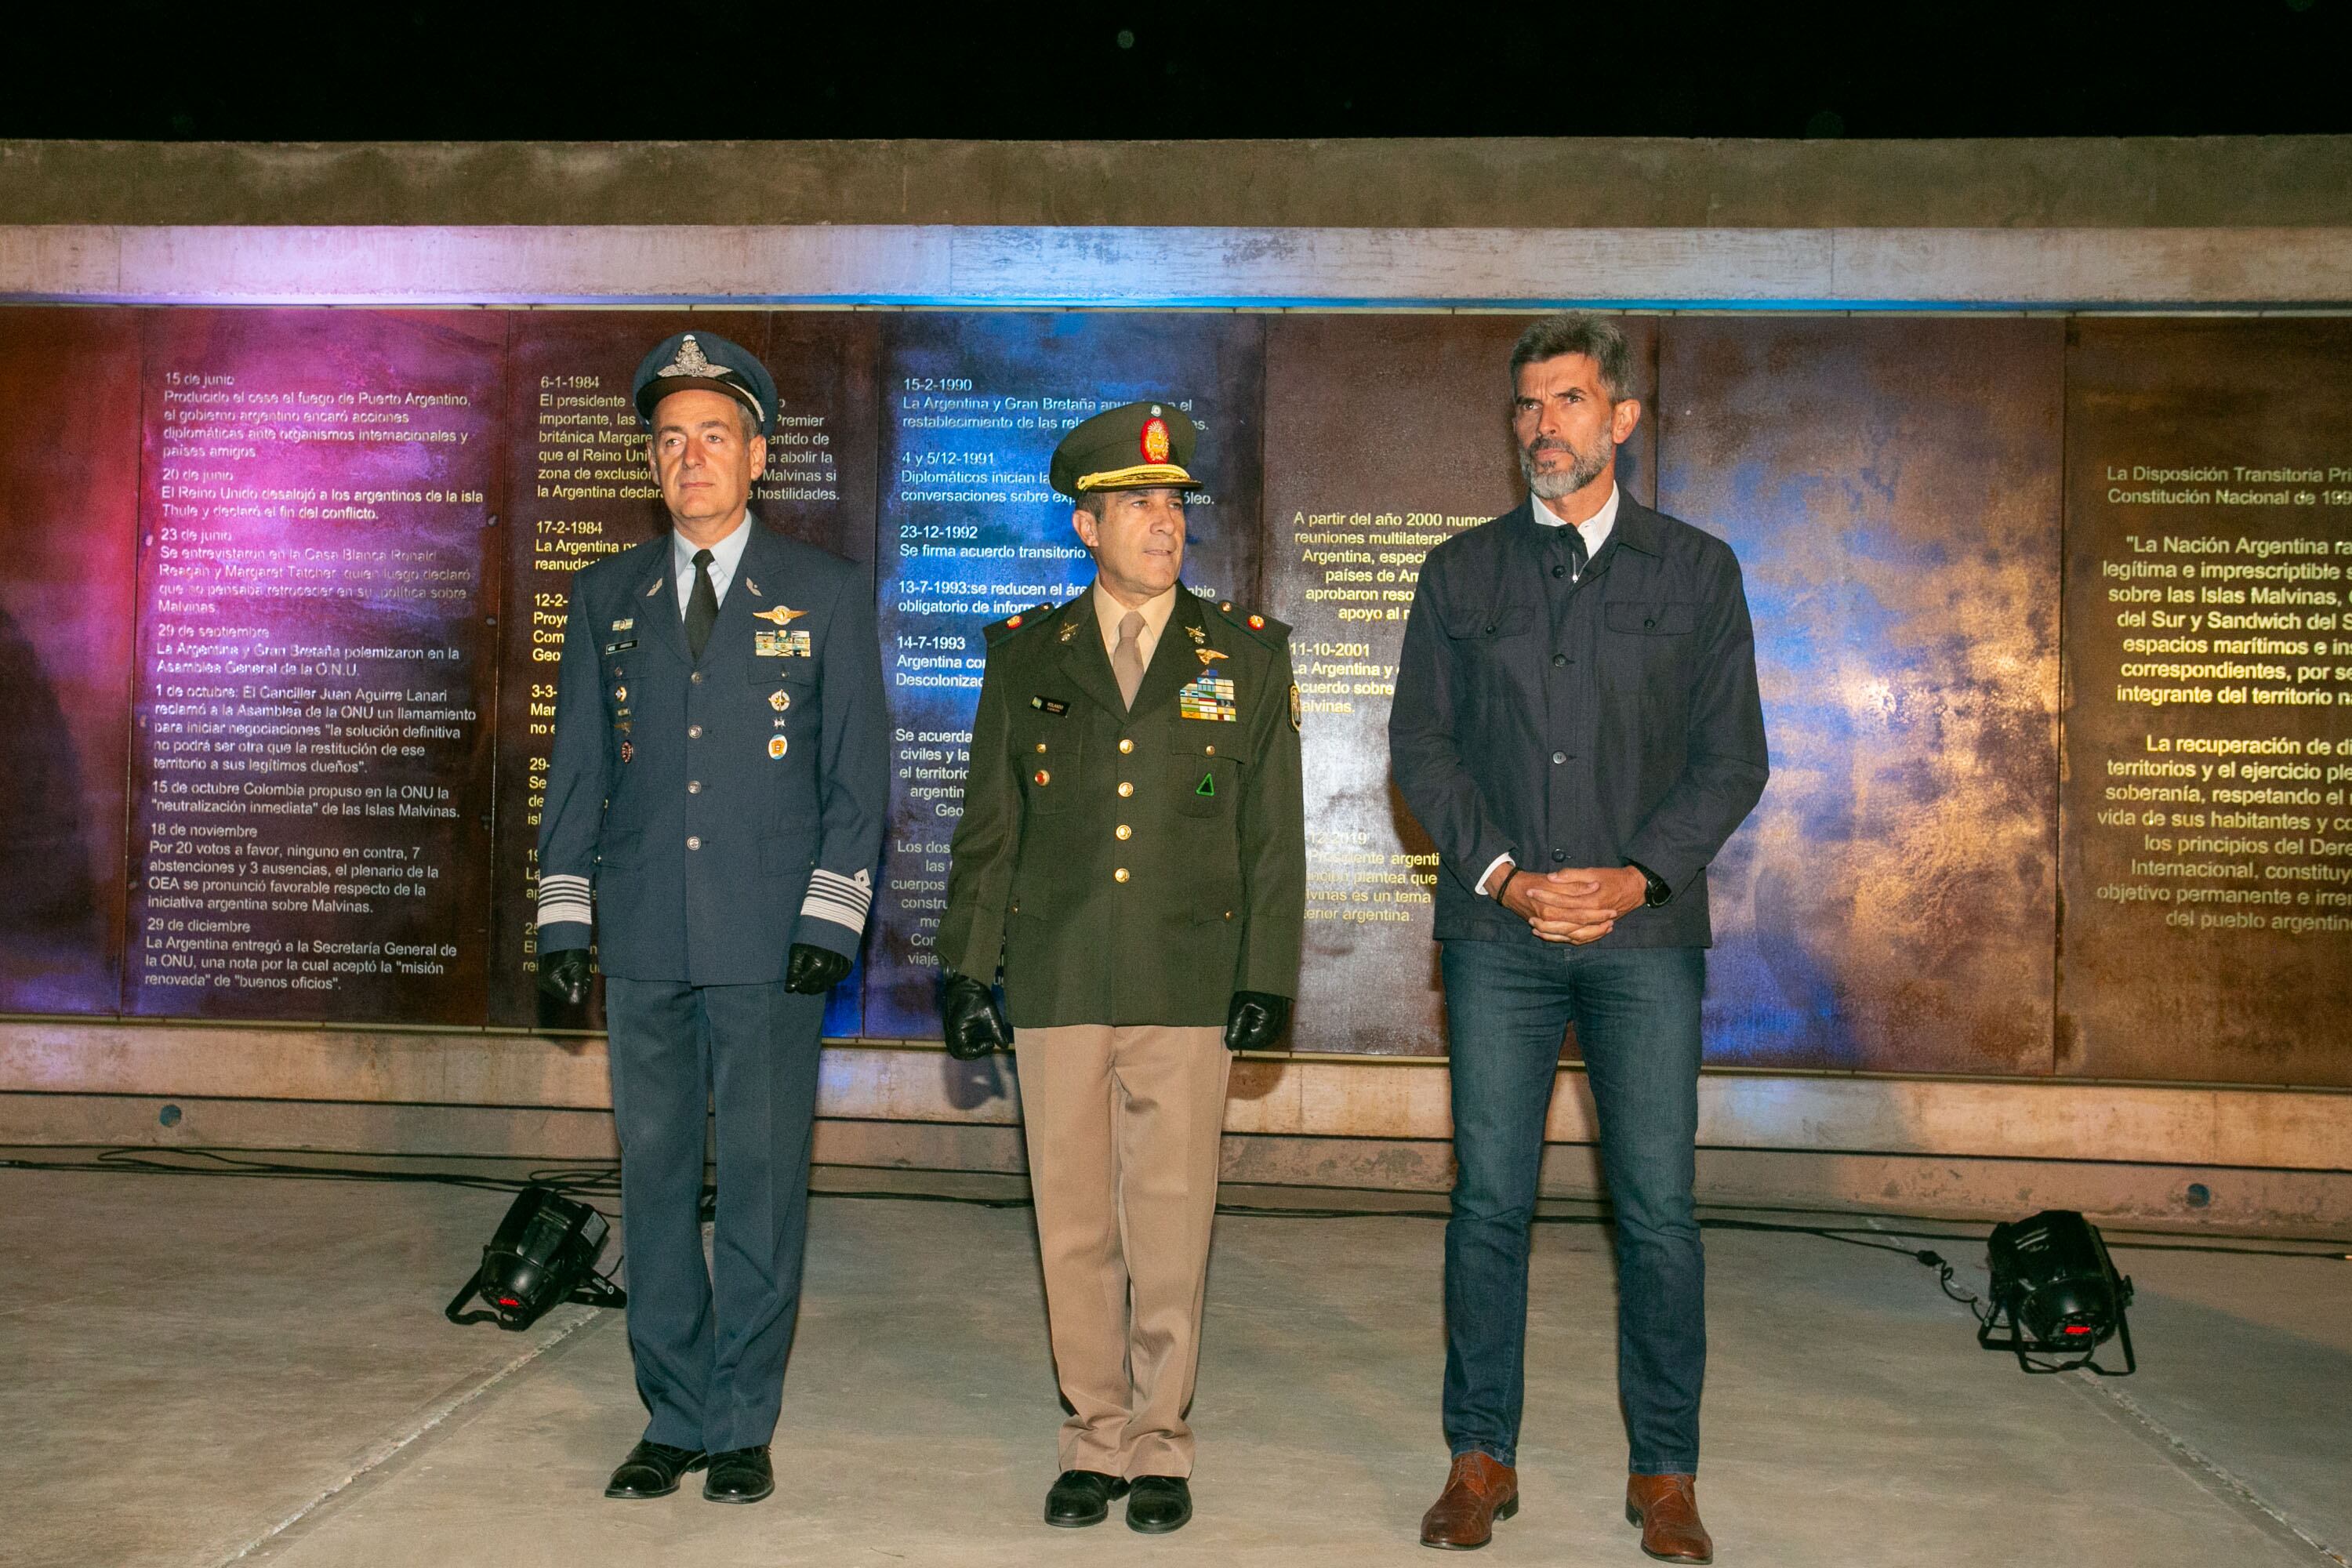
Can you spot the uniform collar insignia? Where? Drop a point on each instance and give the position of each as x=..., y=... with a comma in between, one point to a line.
x=753, y=588
x=1197, y=635
x=655, y=589
x=1069, y=630
x=779, y=614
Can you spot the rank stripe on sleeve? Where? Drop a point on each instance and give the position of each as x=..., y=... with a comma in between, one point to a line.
x=843, y=900
x=563, y=898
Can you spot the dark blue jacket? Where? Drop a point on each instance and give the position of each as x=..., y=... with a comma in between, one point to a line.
x=1625, y=728
x=719, y=812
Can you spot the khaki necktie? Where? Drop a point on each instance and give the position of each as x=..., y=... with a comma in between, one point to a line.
x=1127, y=659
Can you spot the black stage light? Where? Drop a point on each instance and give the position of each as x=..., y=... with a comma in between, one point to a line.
x=2055, y=1283
x=544, y=1252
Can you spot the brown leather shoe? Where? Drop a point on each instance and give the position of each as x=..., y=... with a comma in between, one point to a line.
x=1666, y=1508
x=1479, y=1490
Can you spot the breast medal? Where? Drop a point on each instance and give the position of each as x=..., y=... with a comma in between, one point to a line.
x=1210, y=696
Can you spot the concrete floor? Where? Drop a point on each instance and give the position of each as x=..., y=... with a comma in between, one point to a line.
x=199, y=1370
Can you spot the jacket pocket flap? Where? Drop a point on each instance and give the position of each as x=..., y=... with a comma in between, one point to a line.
x=1652, y=620
x=1486, y=620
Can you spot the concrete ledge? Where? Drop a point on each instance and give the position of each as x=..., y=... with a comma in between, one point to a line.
x=1528, y=182
x=2306, y=1129
x=1815, y=269
x=418, y=1136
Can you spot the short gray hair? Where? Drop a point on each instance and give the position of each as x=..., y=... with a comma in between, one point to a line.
x=1574, y=332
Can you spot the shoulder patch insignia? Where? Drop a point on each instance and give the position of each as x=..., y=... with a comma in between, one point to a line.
x=1012, y=623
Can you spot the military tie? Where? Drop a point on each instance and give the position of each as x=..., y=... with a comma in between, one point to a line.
x=701, y=606
x=1127, y=659
x=1577, y=555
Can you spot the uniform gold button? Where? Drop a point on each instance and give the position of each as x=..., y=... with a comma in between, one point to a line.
x=1210, y=750
x=694, y=732
x=1125, y=789
x=1123, y=831
x=1042, y=776
x=1123, y=746
x=696, y=677
x=1120, y=874
x=1041, y=745
x=693, y=843
x=694, y=787
x=1229, y=914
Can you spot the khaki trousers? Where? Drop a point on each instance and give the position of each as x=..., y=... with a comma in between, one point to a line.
x=1123, y=1126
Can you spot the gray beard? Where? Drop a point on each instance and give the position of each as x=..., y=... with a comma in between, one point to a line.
x=1587, y=467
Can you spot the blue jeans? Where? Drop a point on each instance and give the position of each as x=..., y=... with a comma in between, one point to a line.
x=1636, y=1011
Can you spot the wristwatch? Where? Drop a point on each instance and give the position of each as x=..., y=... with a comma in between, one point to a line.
x=1657, y=892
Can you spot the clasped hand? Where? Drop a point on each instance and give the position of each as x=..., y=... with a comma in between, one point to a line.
x=1576, y=904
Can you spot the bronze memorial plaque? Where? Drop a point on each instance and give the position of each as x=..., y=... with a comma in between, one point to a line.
x=310, y=750
x=2206, y=829
x=1892, y=489
x=68, y=515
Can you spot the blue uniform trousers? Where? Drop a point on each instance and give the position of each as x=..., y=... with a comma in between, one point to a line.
x=710, y=1345
x=1636, y=1011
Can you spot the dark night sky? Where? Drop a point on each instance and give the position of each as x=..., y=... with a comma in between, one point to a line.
x=740, y=69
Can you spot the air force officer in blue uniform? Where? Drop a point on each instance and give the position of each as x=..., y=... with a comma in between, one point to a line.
x=715, y=808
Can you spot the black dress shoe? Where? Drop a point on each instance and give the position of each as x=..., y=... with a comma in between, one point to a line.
x=1158, y=1504
x=739, y=1475
x=1080, y=1498
x=652, y=1470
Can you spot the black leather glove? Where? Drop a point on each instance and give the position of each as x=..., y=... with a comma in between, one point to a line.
x=812, y=971
x=565, y=975
x=974, y=1026
x=1256, y=1021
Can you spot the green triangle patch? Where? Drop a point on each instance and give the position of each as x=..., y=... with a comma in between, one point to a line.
x=1208, y=784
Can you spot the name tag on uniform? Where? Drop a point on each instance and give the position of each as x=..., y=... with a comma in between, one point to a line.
x=780, y=645
x=1047, y=705
x=1210, y=697
x=620, y=646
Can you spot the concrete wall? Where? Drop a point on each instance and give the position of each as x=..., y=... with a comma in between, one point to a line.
x=2263, y=224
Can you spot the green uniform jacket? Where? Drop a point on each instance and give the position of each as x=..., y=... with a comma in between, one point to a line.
x=1131, y=868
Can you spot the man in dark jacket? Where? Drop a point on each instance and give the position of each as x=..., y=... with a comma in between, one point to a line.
x=715, y=806
x=1577, y=727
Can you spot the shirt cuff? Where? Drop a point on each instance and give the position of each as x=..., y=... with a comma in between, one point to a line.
x=1480, y=888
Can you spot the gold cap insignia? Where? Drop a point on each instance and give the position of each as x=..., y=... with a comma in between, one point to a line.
x=691, y=360
x=1154, y=442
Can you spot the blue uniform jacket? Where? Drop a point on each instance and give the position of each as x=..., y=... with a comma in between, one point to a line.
x=1625, y=728
x=717, y=813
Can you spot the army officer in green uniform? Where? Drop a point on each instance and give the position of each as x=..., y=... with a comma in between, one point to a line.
x=1133, y=857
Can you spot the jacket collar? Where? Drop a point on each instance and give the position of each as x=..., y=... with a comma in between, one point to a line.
x=1173, y=661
